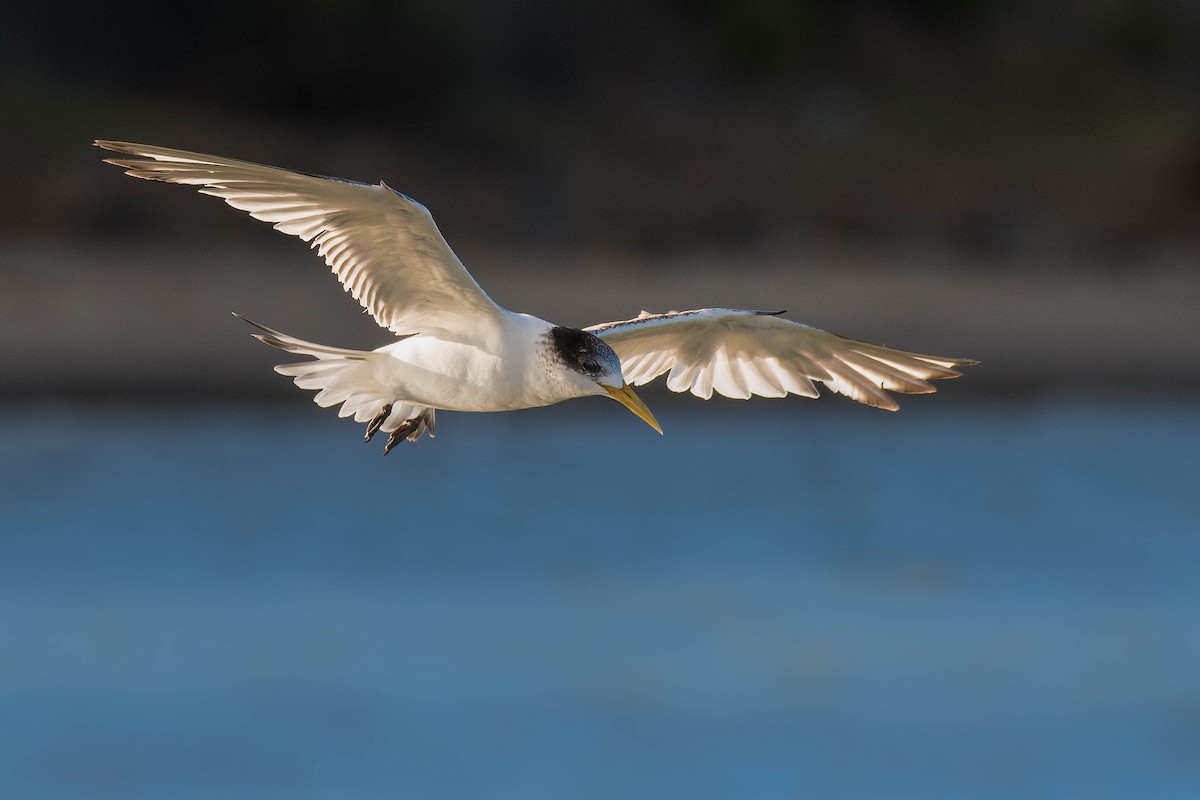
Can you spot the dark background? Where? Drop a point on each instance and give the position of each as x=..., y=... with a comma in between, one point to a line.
x=1017, y=181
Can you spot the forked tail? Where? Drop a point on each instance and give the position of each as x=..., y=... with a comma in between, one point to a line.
x=349, y=377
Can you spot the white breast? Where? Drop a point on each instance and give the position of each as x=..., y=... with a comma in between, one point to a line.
x=514, y=370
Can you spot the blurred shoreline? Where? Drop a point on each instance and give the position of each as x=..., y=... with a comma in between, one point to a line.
x=135, y=317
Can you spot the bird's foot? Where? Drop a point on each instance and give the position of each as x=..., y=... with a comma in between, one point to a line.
x=403, y=432
x=410, y=429
x=373, y=425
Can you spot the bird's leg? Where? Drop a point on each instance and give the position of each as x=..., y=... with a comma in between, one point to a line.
x=398, y=435
x=373, y=425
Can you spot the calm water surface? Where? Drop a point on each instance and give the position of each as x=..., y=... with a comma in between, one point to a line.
x=806, y=600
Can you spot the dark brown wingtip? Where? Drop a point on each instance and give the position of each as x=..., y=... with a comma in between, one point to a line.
x=957, y=362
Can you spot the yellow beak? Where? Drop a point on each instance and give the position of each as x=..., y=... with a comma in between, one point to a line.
x=627, y=398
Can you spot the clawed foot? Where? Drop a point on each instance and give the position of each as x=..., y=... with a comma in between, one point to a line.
x=410, y=429
x=400, y=434
x=373, y=425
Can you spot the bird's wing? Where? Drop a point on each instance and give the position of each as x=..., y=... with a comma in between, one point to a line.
x=743, y=353
x=383, y=247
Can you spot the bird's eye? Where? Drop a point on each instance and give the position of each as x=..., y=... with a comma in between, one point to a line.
x=591, y=366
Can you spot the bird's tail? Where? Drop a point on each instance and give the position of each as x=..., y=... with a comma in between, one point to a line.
x=348, y=377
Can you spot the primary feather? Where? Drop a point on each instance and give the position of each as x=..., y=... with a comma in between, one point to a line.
x=383, y=246
x=739, y=353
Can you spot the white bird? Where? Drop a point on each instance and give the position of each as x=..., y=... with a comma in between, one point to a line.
x=460, y=351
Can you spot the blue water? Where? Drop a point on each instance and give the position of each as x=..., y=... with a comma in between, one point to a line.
x=962, y=600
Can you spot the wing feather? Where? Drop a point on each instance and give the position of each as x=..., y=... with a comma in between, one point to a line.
x=744, y=353
x=727, y=376
x=384, y=247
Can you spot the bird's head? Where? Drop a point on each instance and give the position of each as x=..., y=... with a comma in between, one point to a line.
x=594, y=368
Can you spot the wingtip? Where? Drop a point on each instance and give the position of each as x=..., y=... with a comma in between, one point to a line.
x=959, y=362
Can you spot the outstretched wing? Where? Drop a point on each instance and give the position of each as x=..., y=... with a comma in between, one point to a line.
x=383, y=247
x=744, y=353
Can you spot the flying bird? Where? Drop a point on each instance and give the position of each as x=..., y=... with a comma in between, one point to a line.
x=457, y=350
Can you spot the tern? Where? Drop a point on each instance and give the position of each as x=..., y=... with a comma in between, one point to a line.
x=457, y=350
